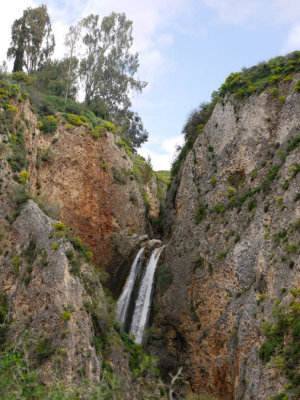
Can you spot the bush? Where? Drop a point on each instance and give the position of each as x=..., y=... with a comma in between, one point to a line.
x=74, y=119
x=293, y=143
x=48, y=206
x=44, y=350
x=3, y=316
x=164, y=278
x=20, y=76
x=200, y=213
x=119, y=175
x=237, y=178
x=65, y=315
x=252, y=204
x=49, y=124
x=47, y=155
x=274, y=92
x=297, y=86
x=109, y=126
x=18, y=196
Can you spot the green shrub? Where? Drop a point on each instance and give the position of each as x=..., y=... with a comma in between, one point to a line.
x=83, y=118
x=59, y=226
x=282, y=99
x=74, y=119
x=293, y=143
x=65, y=315
x=297, y=86
x=252, y=204
x=119, y=175
x=291, y=248
x=274, y=92
x=46, y=155
x=11, y=108
x=164, y=278
x=44, y=350
x=108, y=126
x=223, y=254
x=4, y=309
x=24, y=175
x=200, y=213
x=288, y=78
x=18, y=196
x=54, y=246
x=218, y=208
x=237, y=178
x=49, y=124
x=275, y=78
x=16, y=262
x=20, y=76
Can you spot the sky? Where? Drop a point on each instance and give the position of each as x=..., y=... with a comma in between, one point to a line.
x=186, y=49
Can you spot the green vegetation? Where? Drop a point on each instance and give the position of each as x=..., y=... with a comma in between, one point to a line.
x=139, y=361
x=200, y=213
x=44, y=349
x=108, y=73
x=282, y=343
x=19, y=380
x=74, y=119
x=258, y=78
x=48, y=124
x=240, y=85
x=65, y=315
x=4, y=308
x=192, y=129
x=164, y=278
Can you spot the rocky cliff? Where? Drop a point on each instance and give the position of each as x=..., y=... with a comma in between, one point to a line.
x=232, y=261
x=226, y=301
x=54, y=312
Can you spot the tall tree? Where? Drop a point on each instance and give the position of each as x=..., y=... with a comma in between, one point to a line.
x=133, y=127
x=71, y=43
x=53, y=78
x=108, y=66
x=32, y=42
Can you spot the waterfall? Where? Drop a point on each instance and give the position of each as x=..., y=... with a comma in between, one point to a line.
x=124, y=299
x=143, y=303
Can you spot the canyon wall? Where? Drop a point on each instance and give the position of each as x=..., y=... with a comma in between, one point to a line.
x=233, y=254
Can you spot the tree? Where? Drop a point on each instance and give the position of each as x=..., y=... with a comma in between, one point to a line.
x=108, y=67
x=32, y=42
x=133, y=127
x=71, y=42
x=56, y=78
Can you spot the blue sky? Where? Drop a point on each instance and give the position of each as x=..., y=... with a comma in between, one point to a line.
x=187, y=48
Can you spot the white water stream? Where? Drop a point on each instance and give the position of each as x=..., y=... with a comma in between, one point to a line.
x=143, y=303
x=124, y=299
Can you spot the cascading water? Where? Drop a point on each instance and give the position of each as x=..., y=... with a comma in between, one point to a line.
x=124, y=299
x=143, y=303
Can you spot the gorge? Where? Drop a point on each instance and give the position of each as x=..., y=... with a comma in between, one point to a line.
x=202, y=270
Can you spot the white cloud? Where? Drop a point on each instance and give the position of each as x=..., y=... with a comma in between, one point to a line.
x=151, y=25
x=235, y=12
x=287, y=10
x=9, y=12
x=293, y=40
x=162, y=160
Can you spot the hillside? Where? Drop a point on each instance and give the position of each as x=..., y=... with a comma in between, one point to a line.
x=76, y=205
x=229, y=311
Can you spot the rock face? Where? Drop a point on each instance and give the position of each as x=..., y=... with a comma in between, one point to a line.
x=234, y=246
x=94, y=186
x=53, y=308
x=46, y=298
